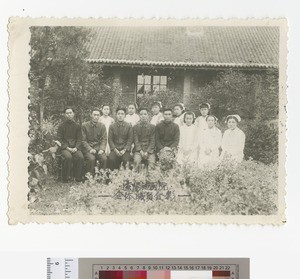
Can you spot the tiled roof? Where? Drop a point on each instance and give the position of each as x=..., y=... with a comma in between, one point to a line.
x=186, y=46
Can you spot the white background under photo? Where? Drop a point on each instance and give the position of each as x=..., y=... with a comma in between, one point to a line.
x=274, y=251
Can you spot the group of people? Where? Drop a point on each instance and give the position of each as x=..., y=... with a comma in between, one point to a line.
x=143, y=135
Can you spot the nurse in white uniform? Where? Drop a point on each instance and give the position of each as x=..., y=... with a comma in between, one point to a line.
x=233, y=141
x=187, y=148
x=179, y=114
x=132, y=117
x=201, y=120
x=210, y=143
x=156, y=112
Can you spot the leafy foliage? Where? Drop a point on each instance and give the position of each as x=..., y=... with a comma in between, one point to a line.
x=249, y=188
x=60, y=76
x=168, y=98
x=261, y=142
x=251, y=95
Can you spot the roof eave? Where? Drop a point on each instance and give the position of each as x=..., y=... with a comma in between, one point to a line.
x=116, y=62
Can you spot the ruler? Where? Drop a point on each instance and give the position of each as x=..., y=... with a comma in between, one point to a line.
x=159, y=268
x=62, y=268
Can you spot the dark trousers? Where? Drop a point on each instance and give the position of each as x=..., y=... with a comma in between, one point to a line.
x=138, y=160
x=115, y=161
x=91, y=160
x=72, y=161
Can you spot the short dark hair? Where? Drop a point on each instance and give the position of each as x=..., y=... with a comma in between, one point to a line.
x=204, y=105
x=95, y=109
x=157, y=103
x=167, y=109
x=105, y=105
x=143, y=109
x=133, y=104
x=120, y=108
x=189, y=113
x=210, y=115
x=69, y=107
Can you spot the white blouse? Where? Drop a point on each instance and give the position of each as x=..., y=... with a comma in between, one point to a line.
x=211, y=139
x=107, y=121
x=156, y=118
x=233, y=143
x=132, y=119
x=179, y=120
x=188, y=137
x=201, y=123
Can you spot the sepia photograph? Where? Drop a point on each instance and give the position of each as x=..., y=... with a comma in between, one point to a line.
x=153, y=118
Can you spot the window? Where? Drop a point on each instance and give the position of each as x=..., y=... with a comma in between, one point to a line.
x=150, y=84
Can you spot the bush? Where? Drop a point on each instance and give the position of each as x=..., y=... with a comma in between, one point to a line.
x=261, y=142
x=249, y=188
x=251, y=95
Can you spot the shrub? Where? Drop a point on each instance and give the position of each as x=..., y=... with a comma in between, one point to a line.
x=261, y=142
x=251, y=95
x=249, y=188
x=41, y=136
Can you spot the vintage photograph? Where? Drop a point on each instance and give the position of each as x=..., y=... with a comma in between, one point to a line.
x=156, y=118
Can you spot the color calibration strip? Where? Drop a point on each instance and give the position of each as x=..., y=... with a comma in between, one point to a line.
x=143, y=268
x=177, y=274
x=165, y=271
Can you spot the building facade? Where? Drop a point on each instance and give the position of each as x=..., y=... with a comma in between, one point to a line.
x=144, y=60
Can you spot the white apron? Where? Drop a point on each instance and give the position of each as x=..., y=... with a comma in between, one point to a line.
x=187, y=148
x=210, y=142
x=233, y=144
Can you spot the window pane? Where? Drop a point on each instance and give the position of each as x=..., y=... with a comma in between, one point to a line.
x=155, y=88
x=156, y=79
x=163, y=88
x=140, y=79
x=163, y=80
x=140, y=89
x=147, y=79
x=147, y=88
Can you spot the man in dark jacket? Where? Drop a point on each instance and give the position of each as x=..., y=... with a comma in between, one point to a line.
x=167, y=133
x=94, y=140
x=69, y=135
x=144, y=141
x=120, y=138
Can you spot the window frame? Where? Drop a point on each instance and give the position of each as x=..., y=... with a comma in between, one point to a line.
x=152, y=85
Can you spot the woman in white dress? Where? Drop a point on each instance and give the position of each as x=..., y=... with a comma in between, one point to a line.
x=179, y=114
x=107, y=121
x=210, y=143
x=233, y=141
x=201, y=120
x=131, y=116
x=187, y=148
x=156, y=111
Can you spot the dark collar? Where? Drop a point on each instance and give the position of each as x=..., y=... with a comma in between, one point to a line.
x=120, y=123
x=69, y=121
x=94, y=124
x=144, y=124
